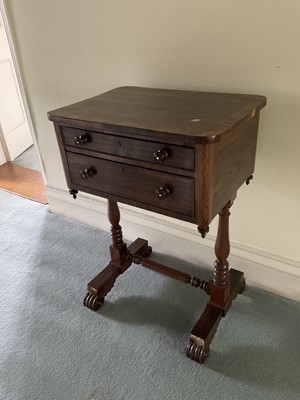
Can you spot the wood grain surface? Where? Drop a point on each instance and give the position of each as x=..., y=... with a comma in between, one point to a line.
x=24, y=182
x=186, y=116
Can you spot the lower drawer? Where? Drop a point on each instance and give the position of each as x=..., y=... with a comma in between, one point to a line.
x=133, y=185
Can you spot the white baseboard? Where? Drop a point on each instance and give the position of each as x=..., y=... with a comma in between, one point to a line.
x=275, y=274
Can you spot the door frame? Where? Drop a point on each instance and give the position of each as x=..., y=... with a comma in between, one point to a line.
x=20, y=83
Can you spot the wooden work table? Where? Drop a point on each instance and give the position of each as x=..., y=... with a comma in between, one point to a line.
x=178, y=153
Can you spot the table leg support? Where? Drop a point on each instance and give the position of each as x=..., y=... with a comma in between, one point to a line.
x=226, y=285
x=220, y=290
x=223, y=289
x=119, y=263
x=203, y=333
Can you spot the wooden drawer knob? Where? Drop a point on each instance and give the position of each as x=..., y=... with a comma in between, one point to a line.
x=88, y=173
x=163, y=192
x=160, y=155
x=82, y=140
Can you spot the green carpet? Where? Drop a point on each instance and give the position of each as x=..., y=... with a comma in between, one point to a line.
x=51, y=347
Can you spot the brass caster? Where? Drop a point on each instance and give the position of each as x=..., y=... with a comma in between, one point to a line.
x=197, y=353
x=92, y=302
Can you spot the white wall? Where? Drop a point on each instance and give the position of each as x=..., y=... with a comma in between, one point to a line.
x=4, y=52
x=72, y=49
x=2, y=154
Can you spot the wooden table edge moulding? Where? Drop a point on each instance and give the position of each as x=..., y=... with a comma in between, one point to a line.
x=179, y=153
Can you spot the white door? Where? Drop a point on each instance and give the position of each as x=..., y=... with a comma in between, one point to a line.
x=15, y=135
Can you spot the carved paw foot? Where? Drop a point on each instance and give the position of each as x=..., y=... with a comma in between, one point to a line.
x=197, y=353
x=93, y=302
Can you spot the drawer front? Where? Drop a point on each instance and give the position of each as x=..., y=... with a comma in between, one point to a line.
x=146, y=187
x=154, y=152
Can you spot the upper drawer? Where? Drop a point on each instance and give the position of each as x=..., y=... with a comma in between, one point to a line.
x=154, y=152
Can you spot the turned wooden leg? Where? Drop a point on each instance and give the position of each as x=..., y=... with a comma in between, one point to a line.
x=103, y=282
x=220, y=290
x=119, y=263
x=118, y=248
x=223, y=289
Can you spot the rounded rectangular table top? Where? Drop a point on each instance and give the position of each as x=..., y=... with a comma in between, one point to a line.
x=196, y=117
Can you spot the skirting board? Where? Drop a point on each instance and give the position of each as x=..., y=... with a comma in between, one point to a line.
x=275, y=274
